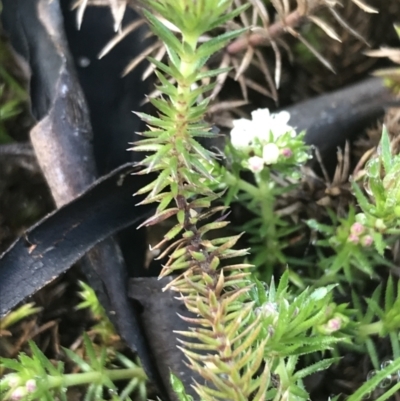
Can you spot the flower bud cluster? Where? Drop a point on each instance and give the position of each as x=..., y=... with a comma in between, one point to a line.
x=21, y=392
x=359, y=235
x=267, y=139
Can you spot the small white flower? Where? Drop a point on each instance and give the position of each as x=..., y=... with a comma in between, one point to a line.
x=261, y=123
x=333, y=325
x=270, y=153
x=259, y=116
x=260, y=126
x=279, y=124
x=242, y=133
x=256, y=164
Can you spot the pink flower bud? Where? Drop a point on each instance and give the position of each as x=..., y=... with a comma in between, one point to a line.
x=331, y=326
x=30, y=385
x=334, y=324
x=18, y=394
x=355, y=239
x=367, y=240
x=286, y=152
x=256, y=164
x=357, y=229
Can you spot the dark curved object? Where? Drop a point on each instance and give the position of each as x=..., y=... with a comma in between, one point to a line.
x=157, y=318
x=54, y=244
x=110, y=97
x=62, y=140
x=333, y=118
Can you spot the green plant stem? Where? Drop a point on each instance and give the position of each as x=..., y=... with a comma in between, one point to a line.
x=371, y=384
x=228, y=330
x=76, y=379
x=389, y=393
x=232, y=181
x=263, y=194
x=267, y=215
x=394, y=341
x=371, y=329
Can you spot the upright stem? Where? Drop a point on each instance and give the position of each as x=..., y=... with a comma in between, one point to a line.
x=267, y=206
x=78, y=379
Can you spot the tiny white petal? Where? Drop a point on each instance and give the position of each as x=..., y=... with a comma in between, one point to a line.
x=270, y=153
x=18, y=394
x=242, y=133
x=242, y=123
x=256, y=164
x=261, y=122
x=30, y=385
x=260, y=116
x=283, y=117
x=279, y=124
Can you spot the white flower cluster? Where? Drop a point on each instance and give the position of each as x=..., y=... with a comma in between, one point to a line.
x=266, y=128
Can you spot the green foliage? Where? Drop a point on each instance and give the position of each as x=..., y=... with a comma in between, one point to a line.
x=36, y=377
x=242, y=336
x=247, y=340
x=90, y=301
x=269, y=231
x=381, y=212
x=292, y=326
x=297, y=325
x=30, y=376
x=104, y=329
x=193, y=19
x=223, y=327
x=350, y=251
x=352, y=243
x=360, y=239
x=365, y=390
x=11, y=97
x=179, y=389
x=13, y=318
x=17, y=315
x=381, y=318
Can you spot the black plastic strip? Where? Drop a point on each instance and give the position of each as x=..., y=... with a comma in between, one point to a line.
x=54, y=244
